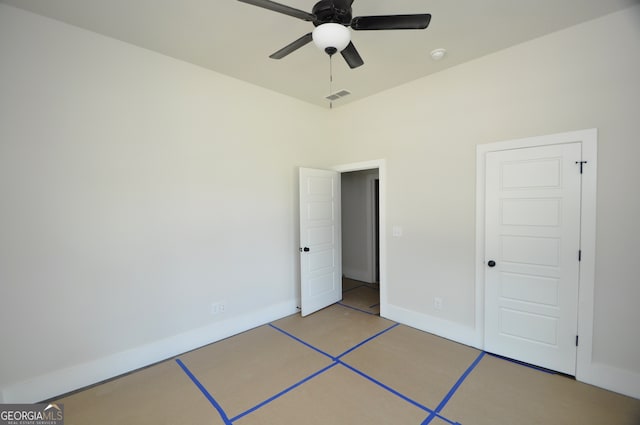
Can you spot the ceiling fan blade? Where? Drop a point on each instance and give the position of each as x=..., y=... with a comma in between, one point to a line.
x=290, y=48
x=351, y=56
x=391, y=22
x=281, y=8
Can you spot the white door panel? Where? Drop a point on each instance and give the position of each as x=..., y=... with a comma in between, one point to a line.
x=529, y=288
x=538, y=251
x=524, y=174
x=531, y=328
x=533, y=235
x=320, y=244
x=531, y=212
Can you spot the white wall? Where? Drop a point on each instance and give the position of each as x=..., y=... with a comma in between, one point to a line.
x=134, y=191
x=582, y=77
x=357, y=225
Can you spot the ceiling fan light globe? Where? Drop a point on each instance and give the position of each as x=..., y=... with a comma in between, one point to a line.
x=331, y=35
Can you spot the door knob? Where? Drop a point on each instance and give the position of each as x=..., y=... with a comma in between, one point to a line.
x=305, y=249
x=491, y=263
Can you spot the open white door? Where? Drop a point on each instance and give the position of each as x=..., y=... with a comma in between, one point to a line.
x=320, y=239
x=532, y=254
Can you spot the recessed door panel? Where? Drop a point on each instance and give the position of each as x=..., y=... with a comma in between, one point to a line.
x=530, y=250
x=529, y=288
x=320, y=186
x=530, y=328
x=531, y=212
x=318, y=211
x=320, y=235
x=322, y=260
x=531, y=174
x=322, y=284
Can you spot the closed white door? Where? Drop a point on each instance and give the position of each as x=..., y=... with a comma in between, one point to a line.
x=532, y=254
x=320, y=239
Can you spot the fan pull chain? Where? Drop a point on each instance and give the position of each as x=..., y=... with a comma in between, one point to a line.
x=330, y=80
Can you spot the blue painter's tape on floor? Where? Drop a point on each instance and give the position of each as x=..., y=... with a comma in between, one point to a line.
x=386, y=387
x=204, y=391
x=395, y=392
x=301, y=341
x=351, y=289
x=338, y=361
x=358, y=309
x=335, y=361
x=283, y=392
x=453, y=389
x=367, y=340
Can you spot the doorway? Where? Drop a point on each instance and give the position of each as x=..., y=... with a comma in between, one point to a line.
x=321, y=235
x=376, y=184
x=360, y=239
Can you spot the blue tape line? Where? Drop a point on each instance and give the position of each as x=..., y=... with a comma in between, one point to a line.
x=283, y=392
x=395, y=392
x=301, y=341
x=357, y=309
x=386, y=387
x=336, y=361
x=375, y=305
x=367, y=340
x=204, y=391
x=453, y=389
x=351, y=289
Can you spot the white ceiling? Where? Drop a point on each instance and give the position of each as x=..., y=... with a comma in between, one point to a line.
x=236, y=39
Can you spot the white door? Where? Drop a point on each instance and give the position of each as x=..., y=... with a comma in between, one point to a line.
x=320, y=239
x=532, y=247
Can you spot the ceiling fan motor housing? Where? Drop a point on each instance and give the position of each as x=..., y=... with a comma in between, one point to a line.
x=337, y=11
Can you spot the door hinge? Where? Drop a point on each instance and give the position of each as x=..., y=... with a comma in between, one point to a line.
x=576, y=340
x=580, y=255
x=581, y=164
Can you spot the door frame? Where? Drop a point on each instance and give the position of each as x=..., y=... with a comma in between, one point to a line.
x=375, y=226
x=589, y=140
x=381, y=165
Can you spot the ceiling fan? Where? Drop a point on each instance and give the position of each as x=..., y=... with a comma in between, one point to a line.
x=331, y=19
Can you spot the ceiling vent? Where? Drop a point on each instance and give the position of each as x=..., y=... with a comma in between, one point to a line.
x=337, y=95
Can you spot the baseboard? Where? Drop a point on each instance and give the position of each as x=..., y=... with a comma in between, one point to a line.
x=434, y=325
x=611, y=378
x=66, y=380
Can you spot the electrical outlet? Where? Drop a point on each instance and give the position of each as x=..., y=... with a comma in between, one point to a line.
x=217, y=308
x=438, y=303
